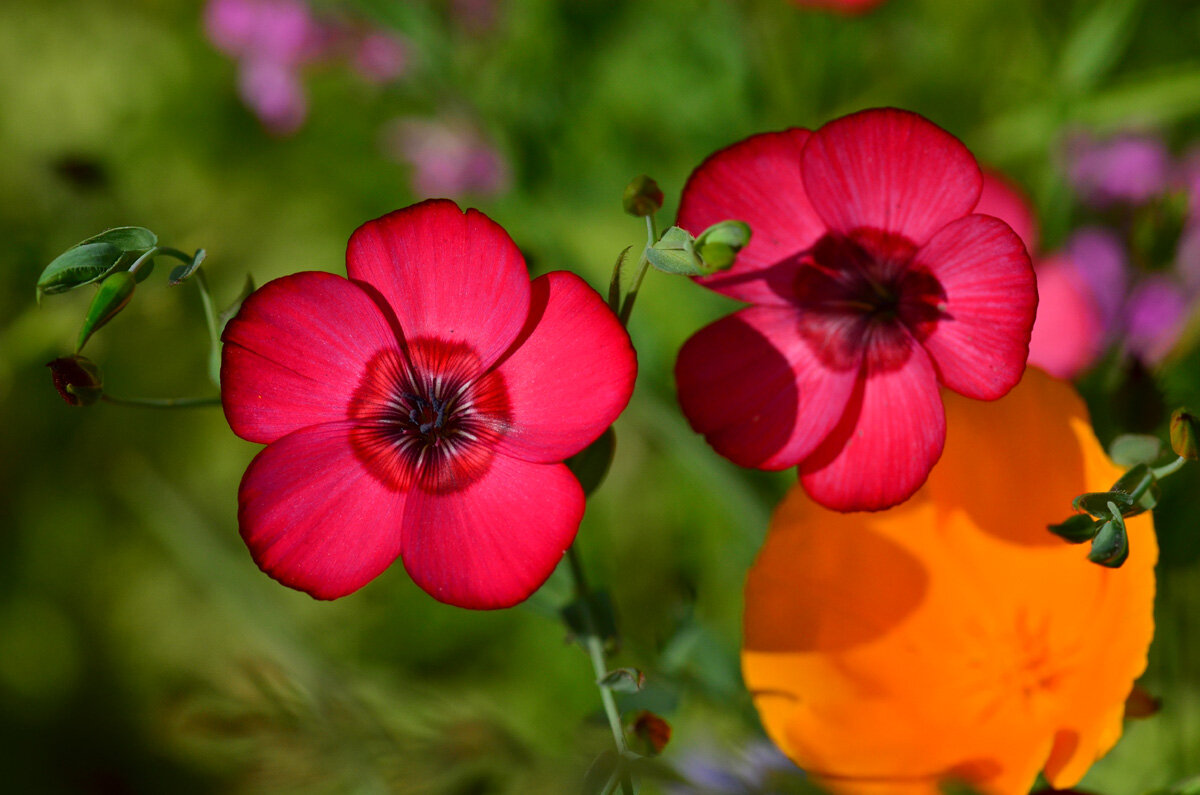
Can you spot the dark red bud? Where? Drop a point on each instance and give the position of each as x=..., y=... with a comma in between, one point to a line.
x=77, y=379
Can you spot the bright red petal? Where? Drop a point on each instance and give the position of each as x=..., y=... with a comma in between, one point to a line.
x=312, y=516
x=1068, y=334
x=757, y=181
x=570, y=373
x=296, y=352
x=494, y=543
x=890, y=437
x=449, y=275
x=889, y=170
x=981, y=342
x=758, y=390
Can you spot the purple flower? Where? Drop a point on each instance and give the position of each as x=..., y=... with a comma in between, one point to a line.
x=281, y=31
x=1154, y=318
x=380, y=57
x=1128, y=168
x=1099, y=257
x=274, y=92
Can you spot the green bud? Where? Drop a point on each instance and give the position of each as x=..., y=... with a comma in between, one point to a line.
x=642, y=197
x=93, y=259
x=114, y=293
x=77, y=380
x=1184, y=434
x=1110, y=547
x=675, y=253
x=719, y=245
x=1096, y=503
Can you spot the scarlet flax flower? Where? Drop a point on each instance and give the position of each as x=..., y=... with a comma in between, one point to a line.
x=872, y=282
x=954, y=637
x=421, y=409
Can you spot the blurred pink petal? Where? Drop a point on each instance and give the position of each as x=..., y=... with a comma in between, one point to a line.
x=275, y=94
x=447, y=159
x=284, y=31
x=1068, y=333
x=1154, y=318
x=381, y=57
x=1127, y=168
x=476, y=15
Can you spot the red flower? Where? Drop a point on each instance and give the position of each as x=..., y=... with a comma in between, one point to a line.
x=872, y=282
x=842, y=6
x=421, y=409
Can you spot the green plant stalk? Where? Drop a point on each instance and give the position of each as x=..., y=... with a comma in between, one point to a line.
x=162, y=403
x=643, y=266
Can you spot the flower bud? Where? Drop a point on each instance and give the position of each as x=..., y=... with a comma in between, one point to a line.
x=1110, y=547
x=719, y=245
x=77, y=380
x=642, y=197
x=1184, y=434
x=652, y=732
x=113, y=295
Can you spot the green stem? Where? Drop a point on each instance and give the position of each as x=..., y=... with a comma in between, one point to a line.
x=162, y=403
x=176, y=253
x=1168, y=469
x=643, y=266
x=594, y=645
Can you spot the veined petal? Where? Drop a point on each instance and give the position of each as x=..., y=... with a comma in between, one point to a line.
x=446, y=274
x=295, y=354
x=889, y=170
x=982, y=339
x=890, y=435
x=570, y=373
x=495, y=542
x=759, y=390
x=757, y=181
x=314, y=518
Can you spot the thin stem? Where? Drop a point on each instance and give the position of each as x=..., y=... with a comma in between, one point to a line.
x=176, y=253
x=162, y=403
x=643, y=266
x=1169, y=469
x=594, y=645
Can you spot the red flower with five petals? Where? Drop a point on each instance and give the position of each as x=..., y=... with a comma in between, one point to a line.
x=872, y=282
x=421, y=409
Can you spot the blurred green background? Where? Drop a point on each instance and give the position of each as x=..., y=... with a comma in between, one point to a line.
x=140, y=648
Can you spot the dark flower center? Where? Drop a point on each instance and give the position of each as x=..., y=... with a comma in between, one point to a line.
x=862, y=291
x=428, y=421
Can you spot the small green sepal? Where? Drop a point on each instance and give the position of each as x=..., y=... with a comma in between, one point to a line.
x=1133, y=481
x=642, y=197
x=114, y=293
x=1185, y=434
x=1077, y=529
x=624, y=680
x=1110, y=547
x=1096, y=503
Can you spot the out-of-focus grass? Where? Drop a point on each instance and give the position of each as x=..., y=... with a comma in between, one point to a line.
x=142, y=651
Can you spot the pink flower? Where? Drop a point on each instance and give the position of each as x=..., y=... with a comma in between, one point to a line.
x=281, y=31
x=842, y=6
x=380, y=57
x=447, y=158
x=1068, y=334
x=872, y=283
x=1127, y=168
x=274, y=92
x=420, y=410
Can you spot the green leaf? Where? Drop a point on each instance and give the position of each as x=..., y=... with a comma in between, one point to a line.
x=114, y=293
x=181, y=272
x=591, y=465
x=1096, y=503
x=1130, y=482
x=126, y=238
x=78, y=266
x=1110, y=547
x=624, y=680
x=1131, y=449
x=1096, y=44
x=1077, y=529
x=614, y=283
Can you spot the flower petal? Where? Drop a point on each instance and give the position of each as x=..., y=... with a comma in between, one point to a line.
x=1002, y=199
x=296, y=352
x=314, y=518
x=890, y=436
x=759, y=390
x=454, y=276
x=982, y=340
x=569, y=374
x=890, y=170
x=1068, y=333
x=757, y=181
x=494, y=543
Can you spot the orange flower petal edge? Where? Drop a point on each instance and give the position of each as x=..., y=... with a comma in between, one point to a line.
x=953, y=637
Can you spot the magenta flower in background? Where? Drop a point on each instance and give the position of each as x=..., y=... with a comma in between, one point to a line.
x=447, y=158
x=872, y=284
x=275, y=93
x=420, y=410
x=843, y=6
x=1129, y=168
x=381, y=57
x=1154, y=318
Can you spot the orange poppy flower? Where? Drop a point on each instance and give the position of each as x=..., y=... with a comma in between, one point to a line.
x=953, y=637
